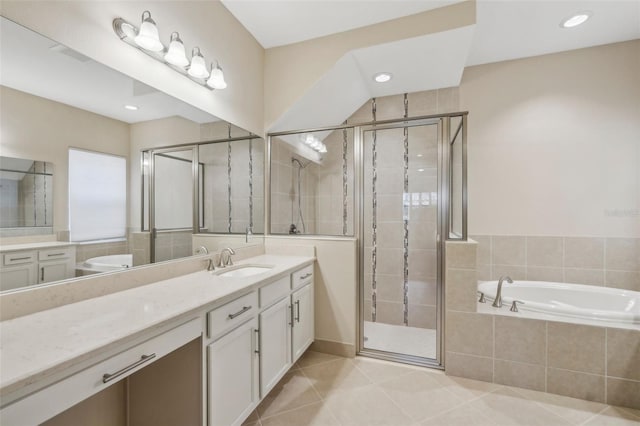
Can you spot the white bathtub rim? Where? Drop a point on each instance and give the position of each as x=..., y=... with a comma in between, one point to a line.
x=608, y=316
x=98, y=263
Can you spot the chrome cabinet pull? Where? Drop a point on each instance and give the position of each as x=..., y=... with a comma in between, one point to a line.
x=42, y=273
x=257, y=350
x=290, y=315
x=298, y=310
x=55, y=254
x=19, y=258
x=240, y=312
x=307, y=275
x=106, y=378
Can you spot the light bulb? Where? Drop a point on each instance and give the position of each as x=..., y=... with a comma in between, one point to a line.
x=176, y=54
x=148, y=37
x=575, y=20
x=217, y=78
x=198, y=67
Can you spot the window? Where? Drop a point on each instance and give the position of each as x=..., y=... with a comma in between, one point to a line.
x=97, y=196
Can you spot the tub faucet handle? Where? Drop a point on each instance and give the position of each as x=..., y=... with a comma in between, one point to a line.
x=514, y=305
x=482, y=299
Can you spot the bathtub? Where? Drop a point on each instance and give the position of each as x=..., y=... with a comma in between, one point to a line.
x=113, y=262
x=601, y=304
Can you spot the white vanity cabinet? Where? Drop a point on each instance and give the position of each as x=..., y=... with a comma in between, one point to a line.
x=56, y=264
x=275, y=341
x=233, y=375
x=18, y=269
x=303, y=320
x=21, y=268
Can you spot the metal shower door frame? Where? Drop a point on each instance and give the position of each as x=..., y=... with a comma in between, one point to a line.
x=444, y=178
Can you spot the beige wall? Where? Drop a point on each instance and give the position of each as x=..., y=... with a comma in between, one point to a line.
x=86, y=26
x=39, y=129
x=335, y=290
x=553, y=144
x=292, y=69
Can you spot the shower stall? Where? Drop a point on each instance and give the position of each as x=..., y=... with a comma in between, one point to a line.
x=405, y=180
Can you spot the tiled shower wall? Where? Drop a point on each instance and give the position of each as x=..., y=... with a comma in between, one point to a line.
x=420, y=203
x=588, y=362
x=610, y=262
x=284, y=190
x=228, y=187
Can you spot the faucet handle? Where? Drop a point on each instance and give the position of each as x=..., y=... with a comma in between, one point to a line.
x=514, y=305
x=482, y=299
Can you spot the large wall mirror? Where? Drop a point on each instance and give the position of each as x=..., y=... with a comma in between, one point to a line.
x=55, y=100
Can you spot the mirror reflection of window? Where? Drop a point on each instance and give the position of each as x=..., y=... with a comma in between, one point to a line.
x=97, y=196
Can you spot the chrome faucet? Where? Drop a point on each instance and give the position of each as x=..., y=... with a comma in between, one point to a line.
x=229, y=251
x=210, y=266
x=497, y=302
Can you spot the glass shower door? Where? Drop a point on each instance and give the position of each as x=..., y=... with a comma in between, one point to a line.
x=172, y=193
x=399, y=231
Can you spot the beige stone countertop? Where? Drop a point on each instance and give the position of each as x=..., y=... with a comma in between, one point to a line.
x=35, y=246
x=40, y=347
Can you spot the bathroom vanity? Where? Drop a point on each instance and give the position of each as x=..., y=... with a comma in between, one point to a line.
x=250, y=326
x=36, y=263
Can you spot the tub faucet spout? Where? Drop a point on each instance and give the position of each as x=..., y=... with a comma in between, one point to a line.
x=497, y=302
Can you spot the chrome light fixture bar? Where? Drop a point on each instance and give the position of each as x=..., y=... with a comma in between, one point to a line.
x=147, y=40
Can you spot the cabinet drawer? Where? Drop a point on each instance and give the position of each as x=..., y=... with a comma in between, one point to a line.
x=232, y=314
x=274, y=291
x=54, y=254
x=302, y=276
x=18, y=257
x=52, y=400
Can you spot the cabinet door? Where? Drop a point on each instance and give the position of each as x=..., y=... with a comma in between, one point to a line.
x=17, y=276
x=275, y=344
x=54, y=271
x=233, y=375
x=303, y=323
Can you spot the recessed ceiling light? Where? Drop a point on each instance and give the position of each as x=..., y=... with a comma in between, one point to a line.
x=575, y=20
x=420, y=155
x=421, y=170
x=131, y=107
x=383, y=77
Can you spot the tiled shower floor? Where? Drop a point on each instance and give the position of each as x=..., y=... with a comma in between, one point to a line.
x=400, y=339
x=326, y=390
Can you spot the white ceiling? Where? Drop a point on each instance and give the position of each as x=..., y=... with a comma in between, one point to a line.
x=32, y=63
x=504, y=30
x=276, y=22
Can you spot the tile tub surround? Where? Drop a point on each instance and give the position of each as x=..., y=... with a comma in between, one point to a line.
x=327, y=390
x=610, y=262
x=594, y=363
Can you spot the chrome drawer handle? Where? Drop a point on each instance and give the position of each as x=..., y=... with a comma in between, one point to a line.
x=55, y=254
x=240, y=312
x=19, y=258
x=307, y=275
x=106, y=378
x=297, y=311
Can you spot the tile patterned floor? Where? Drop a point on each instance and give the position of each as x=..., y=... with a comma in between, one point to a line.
x=327, y=390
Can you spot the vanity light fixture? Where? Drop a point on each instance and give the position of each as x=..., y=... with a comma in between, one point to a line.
x=314, y=143
x=575, y=20
x=198, y=67
x=382, y=77
x=147, y=40
x=148, y=37
x=176, y=54
x=217, y=78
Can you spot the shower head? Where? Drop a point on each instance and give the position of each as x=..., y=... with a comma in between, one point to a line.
x=302, y=166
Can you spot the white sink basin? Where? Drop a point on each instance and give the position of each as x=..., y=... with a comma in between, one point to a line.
x=243, y=271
